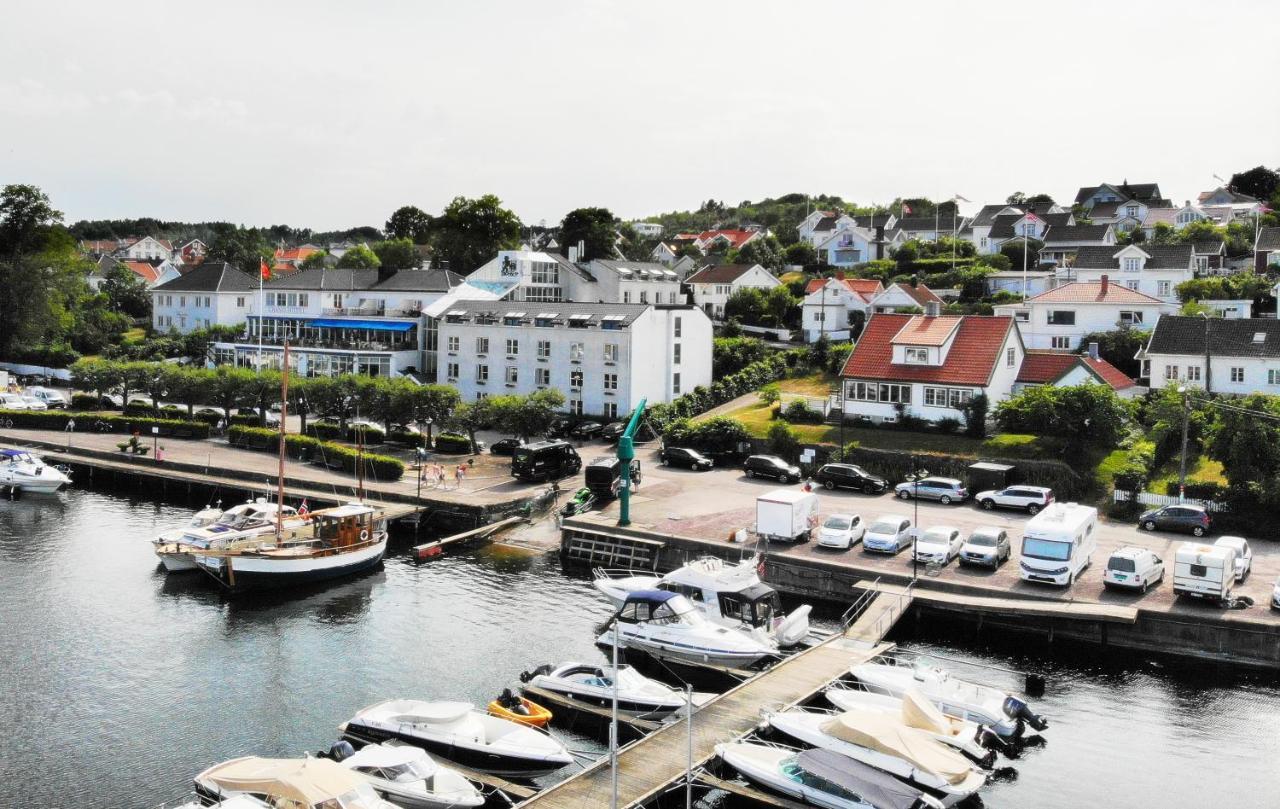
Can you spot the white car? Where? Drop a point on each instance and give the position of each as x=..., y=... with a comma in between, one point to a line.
x=888, y=534
x=1024, y=498
x=1275, y=595
x=1244, y=554
x=33, y=403
x=49, y=396
x=1134, y=568
x=13, y=401
x=841, y=531
x=939, y=544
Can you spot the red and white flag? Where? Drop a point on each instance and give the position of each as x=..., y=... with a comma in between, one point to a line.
x=264, y=270
x=302, y=508
x=1032, y=217
x=906, y=209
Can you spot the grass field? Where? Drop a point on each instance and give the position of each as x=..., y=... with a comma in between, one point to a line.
x=134, y=335
x=815, y=384
x=1199, y=470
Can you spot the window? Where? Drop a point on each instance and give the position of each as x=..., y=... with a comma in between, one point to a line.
x=1193, y=373
x=879, y=392
x=545, y=272
x=575, y=380
x=644, y=296
x=1132, y=285
x=182, y=300
x=575, y=407
x=675, y=328
x=819, y=316
x=1131, y=318
x=982, y=242
x=1132, y=264
x=626, y=296
x=1064, y=317
x=240, y=302
x=1162, y=289
x=451, y=371
x=482, y=345
x=1011, y=356
x=675, y=384
x=1237, y=374
x=1202, y=263
x=482, y=394
x=1273, y=376
x=482, y=373
x=946, y=397
x=1171, y=372
x=610, y=381
x=611, y=410
x=542, y=376
x=453, y=342
x=513, y=374
x=575, y=352
x=1131, y=210
x=917, y=355
x=513, y=346
x=1060, y=342
x=1022, y=316
x=610, y=352
x=675, y=354
x=544, y=349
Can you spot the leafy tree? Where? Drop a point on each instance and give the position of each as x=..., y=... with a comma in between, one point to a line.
x=528, y=415
x=770, y=394
x=1240, y=286
x=471, y=231
x=731, y=354
x=127, y=293
x=781, y=307
x=397, y=254
x=135, y=377
x=437, y=402
x=732, y=328
x=591, y=226
x=783, y=441
x=975, y=416
x=99, y=376
x=25, y=214
x=766, y=252
x=191, y=386
x=94, y=326
x=471, y=417
x=409, y=222
x=1258, y=182
x=1200, y=231
x=803, y=254
x=1163, y=418
x=317, y=259
x=229, y=387
x=1247, y=445
x=358, y=258
x=746, y=306
x=242, y=248
x=332, y=396
x=1013, y=250
x=1087, y=415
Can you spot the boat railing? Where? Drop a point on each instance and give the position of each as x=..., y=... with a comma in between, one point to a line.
x=604, y=573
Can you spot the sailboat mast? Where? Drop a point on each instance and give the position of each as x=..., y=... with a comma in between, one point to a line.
x=284, y=415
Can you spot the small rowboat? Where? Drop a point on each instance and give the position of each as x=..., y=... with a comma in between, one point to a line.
x=528, y=713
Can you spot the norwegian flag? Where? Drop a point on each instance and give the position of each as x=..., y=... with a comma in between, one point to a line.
x=264, y=270
x=1032, y=217
x=302, y=508
x=906, y=209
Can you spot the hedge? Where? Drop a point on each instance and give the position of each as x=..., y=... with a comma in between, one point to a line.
x=332, y=432
x=85, y=401
x=452, y=442
x=245, y=420
x=304, y=447
x=702, y=399
x=895, y=466
x=87, y=423
x=406, y=437
x=797, y=412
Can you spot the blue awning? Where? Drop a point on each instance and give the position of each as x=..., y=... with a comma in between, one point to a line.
x=371, y=325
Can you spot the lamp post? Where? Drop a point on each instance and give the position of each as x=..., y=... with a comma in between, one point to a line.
x=915, y=520
x=1182, y=466
x=429, y=421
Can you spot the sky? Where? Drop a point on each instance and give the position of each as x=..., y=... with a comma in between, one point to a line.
x=333, y=114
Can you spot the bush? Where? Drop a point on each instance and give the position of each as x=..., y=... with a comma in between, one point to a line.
x=380, y=467
x=1199, y=490
x=407, y=438
x=783, y=442
x=87, y=422
x=245, y=420
x=453, y=442
x=325, y=431
x=85, y=401
x=209, y=418
x=800, y=413
x=948, y=425
x=139, y=409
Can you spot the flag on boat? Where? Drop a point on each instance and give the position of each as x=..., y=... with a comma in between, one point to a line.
x=302, y=508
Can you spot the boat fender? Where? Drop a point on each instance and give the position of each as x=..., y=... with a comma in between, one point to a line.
x=340, y=751
x=794, y=628
x=364, y=535
x=526, y=676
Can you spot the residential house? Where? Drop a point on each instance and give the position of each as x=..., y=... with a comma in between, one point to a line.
x=724, y=240
x=1153, y=269
x=904, y=298
x=1216, y=355
x=1124, y=216
x=99, y=247
x=1146, y=193
x=1060, y=317
x=152, y=273
x=712, y=286
x=1176, y=218
x=1223, y=198
x=191, y=251
x=1061, y=242
x=930, y=365
x=1032, y=282
x=289, y=259
x=1229, y=308
x=148, y=248
x=819, y=225
x=1010, y=227
x=1065, y=370
x=1210, y=256
x=1266, y=249
x=604, y=357
x=101, y=269
x=850, y=246
x=215, y=293
x=832, y=305
x=979, y=230
x=664, y=253
x=927, y=228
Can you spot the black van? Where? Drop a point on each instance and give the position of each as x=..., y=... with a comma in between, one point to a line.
x=545, y=460
x=604, y=475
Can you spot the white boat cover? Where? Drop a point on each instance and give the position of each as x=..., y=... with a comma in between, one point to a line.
x=876, y=787
x=919, y=712
x=381, y=755
x=886, y=734
x=305, y=781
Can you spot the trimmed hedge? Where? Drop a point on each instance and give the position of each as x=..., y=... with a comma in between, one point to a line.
x=85, y=401
x=1199, y=490
x=453, y=442
x=245, y=420
x=332, y=432
x=407, y=438
x=306, y=448
x=87, y=423
x=701, y=399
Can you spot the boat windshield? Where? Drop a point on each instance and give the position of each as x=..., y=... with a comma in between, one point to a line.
x=20, y=457
x=1051, y=550
x=415, y=770
x=794, y=772
x=361, y=796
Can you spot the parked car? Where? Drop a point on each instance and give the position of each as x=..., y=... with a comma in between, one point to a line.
x=1244, y=554
x=771, y=466
x=33, y=403
x=890, y=533
x=988, y=546
x=1024, y=498
x=558, y=428
x=841, y=531
x=51, y=398
x=849, y=476
x=1133, y=567
x=13, y=401
x=586, y=430
x=939, y=544
x=944, y=490
x=683, y=456
x=506, y=446
x=613, y=430
x=1192, y=519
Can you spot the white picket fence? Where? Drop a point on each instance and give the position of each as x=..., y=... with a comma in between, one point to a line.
x=1153, y=499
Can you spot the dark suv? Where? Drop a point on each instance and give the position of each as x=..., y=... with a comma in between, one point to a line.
x=771, y=466
x=1192, y=519
x=682, y=456
x=848, y=476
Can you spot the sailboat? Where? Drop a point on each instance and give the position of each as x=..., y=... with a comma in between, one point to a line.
x=332, y=543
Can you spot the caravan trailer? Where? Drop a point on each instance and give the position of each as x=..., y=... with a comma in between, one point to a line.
x=1204, y=571
x=1058, y=543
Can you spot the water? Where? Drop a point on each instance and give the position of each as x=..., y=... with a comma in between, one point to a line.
x=119, y=683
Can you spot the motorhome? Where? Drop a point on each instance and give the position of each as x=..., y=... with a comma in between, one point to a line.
x=1058, y=543
x=1204, y=571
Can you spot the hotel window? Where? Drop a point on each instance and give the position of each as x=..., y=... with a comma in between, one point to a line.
x=1062, y=318
x=482, y=373
x=542, y=376
x=1237, y=374
x=611, y=410
x=675, y=384
x=675, y=354
x=917, y=355
x=575, y=407
x=644, y=296
x=626, y=296
x=1131, y=318
x=575, y=380
x=1162, y=289
x=610, y=352
x=453, y=342
x=451, y=371
x=1132, y=265
x=610, y=381
x=513, y=374
x=513, y=347
x=482, y=345
x=544, y=349
x=1060, y=342
x=1193, y=373
x=575, y=352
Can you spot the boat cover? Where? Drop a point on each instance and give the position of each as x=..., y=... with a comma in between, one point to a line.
x=876, y=787
x=919, y=712
x=381, y=755
x=886, y=734
x=306, y=781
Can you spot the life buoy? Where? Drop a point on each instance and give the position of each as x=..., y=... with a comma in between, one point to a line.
x=364, y=535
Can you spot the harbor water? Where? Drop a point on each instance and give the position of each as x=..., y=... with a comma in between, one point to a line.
x=119, y=683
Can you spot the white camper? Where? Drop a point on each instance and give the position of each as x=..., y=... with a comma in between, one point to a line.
x=1058, y=543
x=786, y=515
x=1204, y=571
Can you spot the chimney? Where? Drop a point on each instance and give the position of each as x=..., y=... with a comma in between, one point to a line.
x=915, y=281
x=1106, y=282
x=573, y=253
x=932, y=309
x=1093, y=350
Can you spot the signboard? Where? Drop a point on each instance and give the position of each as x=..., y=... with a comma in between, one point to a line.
x=807, y=456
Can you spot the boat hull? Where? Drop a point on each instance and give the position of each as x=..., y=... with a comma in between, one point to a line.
x=175, y=562
x=627, y=706
x=766, y=774
x=265, y=573
x=680, y=652
x=473, y=757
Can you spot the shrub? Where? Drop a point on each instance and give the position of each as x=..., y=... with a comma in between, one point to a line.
x=209, y=418
x=88, y=422
x=947, y=425
x=380, y=467
x=453, y=442
x=245, y=420
x=408, y=438
x=1199, y=490
x=325, y=431
x=139, y=409
x=783, y=442
x=85, y=401
x=800, y=413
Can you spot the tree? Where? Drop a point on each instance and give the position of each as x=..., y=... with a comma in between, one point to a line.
x=528, y=415
x=409, y=222
x=781, y=307
x=975, y=416
x=1163, y=418
x=127, y=293
x=25, y=213
x=191, y=386
x=473, y=416
x=593, y=227
x=1245, y=443
x=770, y=394
x=765, y=252
x=397, y=254
x=783, y=441
x=229, y=387
x=332, y=396
x=1089, y=415
x=471, y=231
x=317, y=259
x=1259, y=182
x=802, y=254
x=746, y=306
x=358, y=258
x=99, y=376
x=242, y=248
x=731, y=354
x=134, y=377
x=437, y=403
x=1014, y=248
x=1118, y=347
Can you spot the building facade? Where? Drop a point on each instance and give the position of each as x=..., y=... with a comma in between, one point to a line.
x=1059, y=318
x=1214, y=354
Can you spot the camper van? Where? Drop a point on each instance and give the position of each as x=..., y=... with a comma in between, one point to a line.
x=1058, y=543
x=1204, y=571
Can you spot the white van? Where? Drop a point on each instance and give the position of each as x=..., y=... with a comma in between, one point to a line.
x=786, y=515
x=1058, y=543
x=1204, y=571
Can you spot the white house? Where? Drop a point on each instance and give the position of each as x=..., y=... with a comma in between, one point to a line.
x=930, y=365
x=1224, y=198
x=647, y=230
x=1062, y=242
x=1152, y=269
x=214, y=293
x=1176, y=218
x=713, y=286
x=848, y=246
x=1060, y=317
x=604, y=357
x=831, y=305
x=1231, y=309
x=148, y=248
x=525, y=275
x=1089, y=197
x=1032, y=282
x=1214, y=354
x=903, y=298
x=1266, y=249
x=1065, y=370
x=819, y=225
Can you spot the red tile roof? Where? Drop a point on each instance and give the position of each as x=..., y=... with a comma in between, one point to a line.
x=970, y=361
x=863, y=287
x=1110, y=374
x=921, y=294
x=926, y=331
x=143, y=270
x=1091, y=292
x=1046, y=367
x=736, y=238
x=295, y=253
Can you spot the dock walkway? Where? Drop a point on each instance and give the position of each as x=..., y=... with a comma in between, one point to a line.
x=1084, y=610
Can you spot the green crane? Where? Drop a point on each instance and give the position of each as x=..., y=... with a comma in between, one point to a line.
x=626, y=453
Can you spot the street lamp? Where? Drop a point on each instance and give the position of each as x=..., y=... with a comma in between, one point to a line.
x=1182, y=467
x=916, y=473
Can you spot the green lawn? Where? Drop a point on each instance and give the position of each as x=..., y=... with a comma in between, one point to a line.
x=816, y=384
x=1199, y=470
x=134, y=335
x=756, y=418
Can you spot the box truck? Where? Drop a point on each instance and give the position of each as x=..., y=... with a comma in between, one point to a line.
x=786, y=515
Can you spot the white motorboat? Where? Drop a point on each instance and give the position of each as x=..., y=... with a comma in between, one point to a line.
x=457, y=731
x=1003, y=713
x=638, y=695
x=731, y=595
x=234, y=802
x=407, y=776
x=214, y=528
x=667, y=626
x=977, y=742
x=298, y=783
x=884, y=742
x=21, y=470
x=822, y=778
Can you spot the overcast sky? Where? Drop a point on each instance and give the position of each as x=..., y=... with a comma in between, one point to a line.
x=332, y=114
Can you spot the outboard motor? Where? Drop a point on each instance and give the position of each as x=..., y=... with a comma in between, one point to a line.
x=340, y=751
x=988, y=739
x=545, y=668
x=1017, y=709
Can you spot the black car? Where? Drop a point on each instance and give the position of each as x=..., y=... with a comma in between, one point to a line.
x=586, y=430
x=558, y=428
x=849, y=476
x=1194, y=520
x=613, y=430
x=683, y=456
x=771, y=466
x=506, y=446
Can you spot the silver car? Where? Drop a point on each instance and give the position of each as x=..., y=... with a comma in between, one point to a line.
x=944, y=490
x=987, y=546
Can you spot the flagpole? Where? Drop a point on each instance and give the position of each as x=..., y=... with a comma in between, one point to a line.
x=261, y=306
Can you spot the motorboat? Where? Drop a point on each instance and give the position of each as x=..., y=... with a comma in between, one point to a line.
x=1005, y=714
x=731, y=595
x=638, y=696
x=884, y=742
x=25, y=472
x=330, y=543
x=234, y=802
x=518, y=709
x=298, y=783
x=457, y=731
x=668, y=626
x=407, y=776
x=822, y=778
x=977, y=742
x=213, y=528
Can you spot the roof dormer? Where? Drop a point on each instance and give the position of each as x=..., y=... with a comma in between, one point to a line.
x=924, y=340
x=1132, y=258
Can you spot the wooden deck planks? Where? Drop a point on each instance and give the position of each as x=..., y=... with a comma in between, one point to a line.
x=1109, y=613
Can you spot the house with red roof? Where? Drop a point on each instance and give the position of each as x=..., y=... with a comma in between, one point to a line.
x=834, y=306
x=288, y=259
x=930, y=365
x=1063, y=369
x=719, y=241
x=1061, y=317
x=713, y=286
x=904, y=298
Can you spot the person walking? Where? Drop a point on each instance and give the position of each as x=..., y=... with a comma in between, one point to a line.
x=458, y=475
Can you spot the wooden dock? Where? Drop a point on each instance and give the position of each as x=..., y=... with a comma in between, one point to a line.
x=428, y=549
x=1030, y=607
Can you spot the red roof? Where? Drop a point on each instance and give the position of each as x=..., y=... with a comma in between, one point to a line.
x=1110, y=374
x=921, y=294
x=922, y=330
x=295, y=253
x=1092, y=292
x=863, y=287
x=736, y=238
x=143, y=270
x=974, y=352
x=1047, y=367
